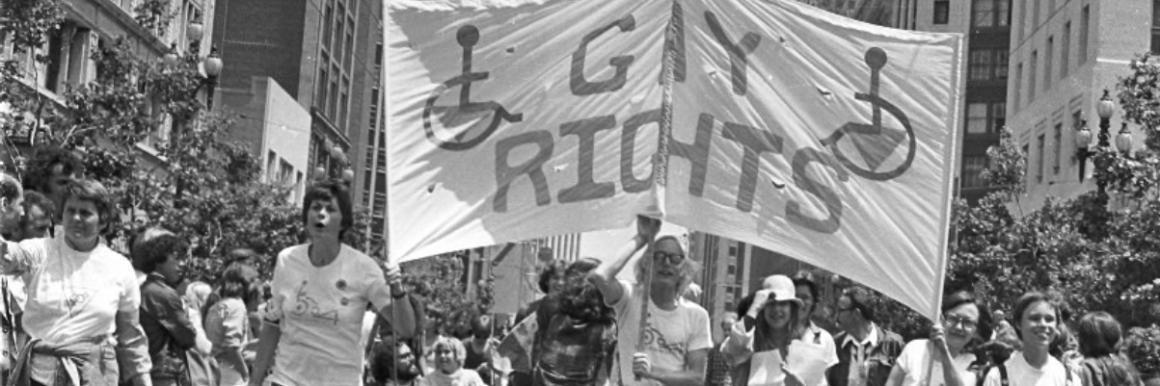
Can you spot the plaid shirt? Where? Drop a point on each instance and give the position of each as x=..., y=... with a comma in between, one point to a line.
x=718, y=372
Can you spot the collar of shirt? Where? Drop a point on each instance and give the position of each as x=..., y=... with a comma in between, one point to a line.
x=871, y=339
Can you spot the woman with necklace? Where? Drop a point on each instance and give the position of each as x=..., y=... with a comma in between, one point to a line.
x=321, y=289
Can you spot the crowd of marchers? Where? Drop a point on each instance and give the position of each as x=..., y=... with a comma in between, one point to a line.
x=74, y=311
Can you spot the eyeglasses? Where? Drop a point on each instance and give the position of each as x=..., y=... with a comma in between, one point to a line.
x=966, y=322
x=671, y=258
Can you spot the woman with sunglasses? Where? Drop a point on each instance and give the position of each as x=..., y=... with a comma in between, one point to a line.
x=945, y=358
x=677, y=339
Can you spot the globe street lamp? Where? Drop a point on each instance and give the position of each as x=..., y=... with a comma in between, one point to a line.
x=213, y=68
x=1104, y=109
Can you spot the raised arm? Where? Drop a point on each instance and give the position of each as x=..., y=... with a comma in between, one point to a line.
x=396, y=308
x=604, y=276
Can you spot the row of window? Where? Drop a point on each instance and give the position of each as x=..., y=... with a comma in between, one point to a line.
x=1048, y=72
x=333, y=85
x=1050, y=149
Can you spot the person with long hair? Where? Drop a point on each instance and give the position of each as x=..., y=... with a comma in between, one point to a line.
x=1037, y=319
x=770, y=324
x=676, y=331
x=227, y=324
x=1099, y=336
x=945, y=358
x=83, y=299
x=311, y=332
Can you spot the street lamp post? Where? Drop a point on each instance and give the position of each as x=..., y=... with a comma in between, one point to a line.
x=213, y=68
x=1104, y=108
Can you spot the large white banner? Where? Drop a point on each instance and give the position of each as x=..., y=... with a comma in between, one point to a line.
x=770, y=122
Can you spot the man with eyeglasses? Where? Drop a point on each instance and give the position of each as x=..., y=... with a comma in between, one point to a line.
x=866, y=352
x=394, y=364
x=676, y=339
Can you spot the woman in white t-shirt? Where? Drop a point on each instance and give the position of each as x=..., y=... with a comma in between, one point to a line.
x=945, y=359
x=449, y=355
x=83, y=299
x=767, y=339
x=321, y=289
x=1037, y=323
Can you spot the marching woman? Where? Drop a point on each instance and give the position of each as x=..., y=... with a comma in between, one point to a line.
x=311, y=332
x=1037, y=321
x=767, y=330
x=83, y=300
x=945, y=358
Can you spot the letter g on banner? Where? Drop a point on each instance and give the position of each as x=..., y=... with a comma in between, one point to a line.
x=580, y=84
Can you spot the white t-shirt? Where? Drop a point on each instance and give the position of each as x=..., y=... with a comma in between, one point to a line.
x=1020, y=373
x=463, y=377
x=915, y=364
x=72, y=296
x=669, y=335
x=819, y=337
x=320, y=310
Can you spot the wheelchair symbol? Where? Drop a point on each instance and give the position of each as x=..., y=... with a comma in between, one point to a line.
x=875, y=142
x=466, y=112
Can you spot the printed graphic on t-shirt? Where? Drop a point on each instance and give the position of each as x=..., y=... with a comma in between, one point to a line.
x=307, y=306
x=655, y=340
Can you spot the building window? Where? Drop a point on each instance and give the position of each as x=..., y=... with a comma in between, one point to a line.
x=1076, y=123
x=323, y=83
x=1047, y=61
x=942, y=10
x=983, y=13
x=1058, y=148
x=1084, y=20
x=1026, y=153
x=977, y=118
x=1065, y=50
x=379, y=53
x=1032, y=74
x=1016, y=98
x=980, y=66
x=374, y=110
x=973, y=166
x=985, y=117
x=1035, y=15
x=1155, y=26
x=998, y=116
x=988, y=64
x=988, y=13
x=732, y=251
x=1039, y=144
x=271, y=162
x=1022, y=19
x=732, y=270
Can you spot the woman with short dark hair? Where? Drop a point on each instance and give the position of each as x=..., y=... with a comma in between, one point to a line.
x=945, y=358
x=83, y=299
x=313, y=324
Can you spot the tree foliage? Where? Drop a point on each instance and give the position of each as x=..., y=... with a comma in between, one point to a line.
x=1097, y=256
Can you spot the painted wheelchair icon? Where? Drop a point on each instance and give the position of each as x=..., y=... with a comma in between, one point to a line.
x=467, y=111
x=877, y=142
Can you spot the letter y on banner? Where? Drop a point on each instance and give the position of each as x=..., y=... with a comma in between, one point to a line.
x=819, y=137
